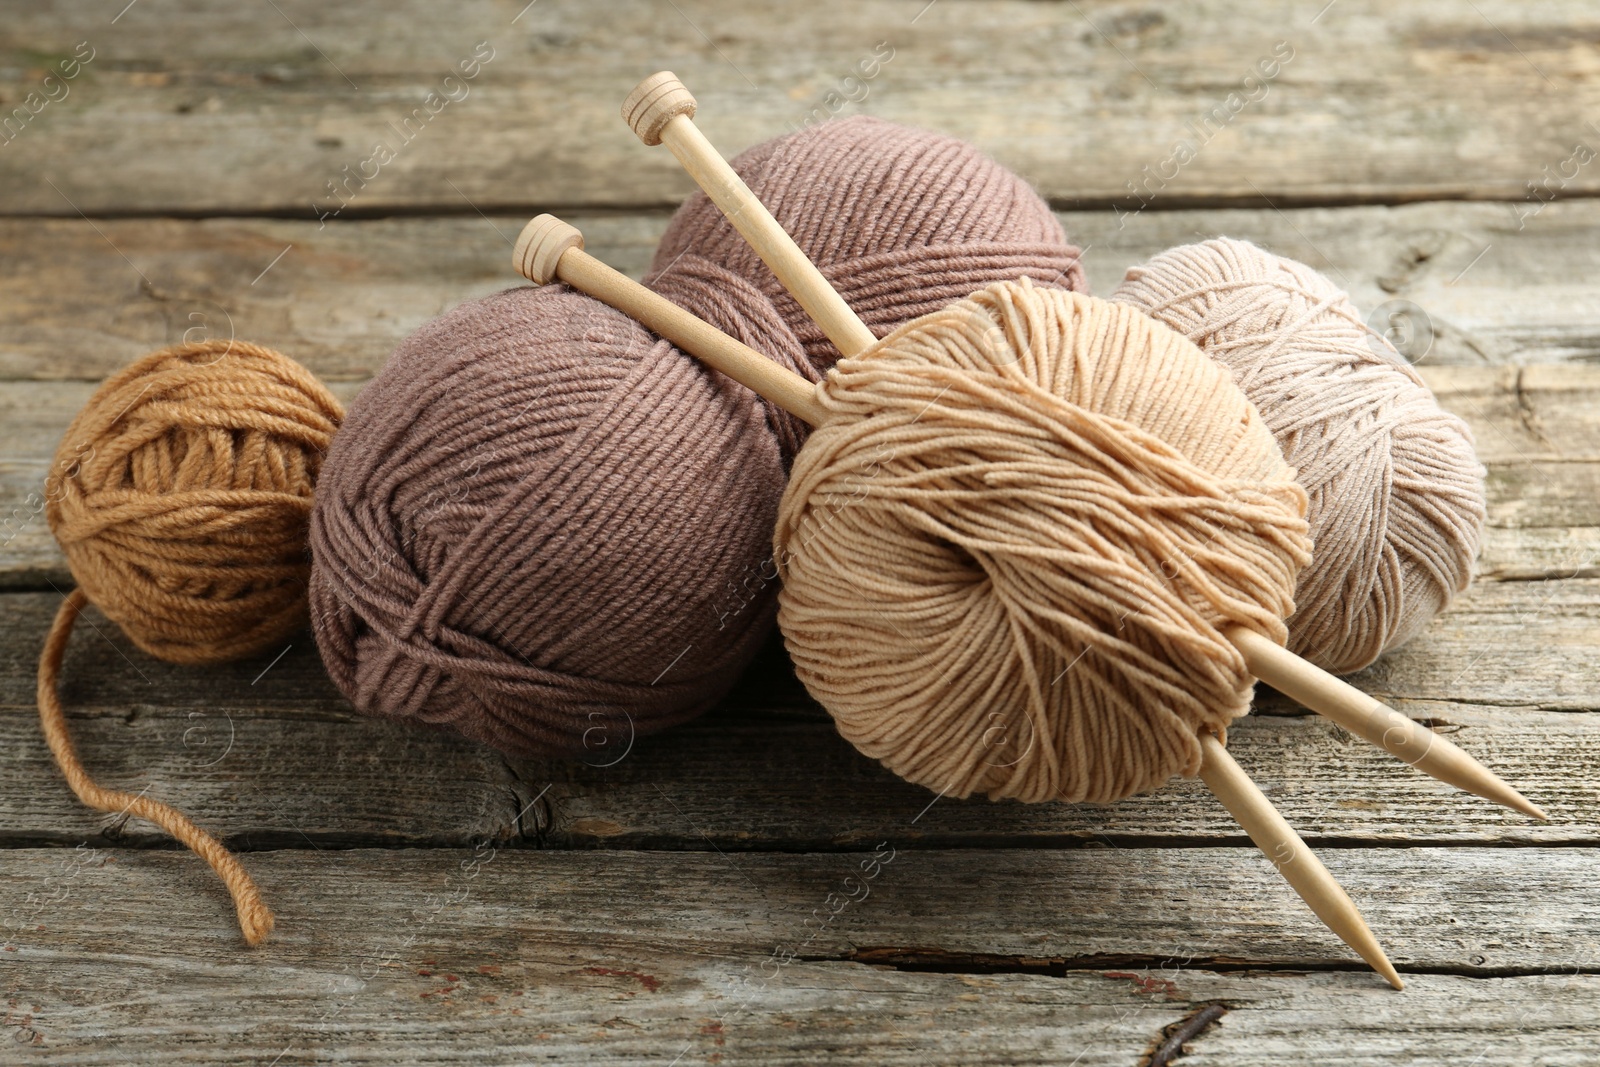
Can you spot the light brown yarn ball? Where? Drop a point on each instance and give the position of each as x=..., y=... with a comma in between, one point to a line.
x=181, y=495
x=1007, y=560
x=1396, y=493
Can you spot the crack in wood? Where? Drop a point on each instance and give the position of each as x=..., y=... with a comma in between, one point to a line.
x=1527, y=414
x=1143, y=968
x=379, y=210
x=533, y=816
x=447, y=209
x=1172, y=1039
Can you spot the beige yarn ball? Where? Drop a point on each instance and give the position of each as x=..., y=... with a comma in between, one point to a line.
x=1008, y=569
x=1396, y=493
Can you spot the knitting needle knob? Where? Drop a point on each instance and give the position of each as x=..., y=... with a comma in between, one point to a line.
x=655, y=102
x=540, y=247
x=661, y=111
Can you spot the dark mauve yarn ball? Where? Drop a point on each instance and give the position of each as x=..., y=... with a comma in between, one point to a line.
x=902, y=221
x=545, y=528
x=535, y=525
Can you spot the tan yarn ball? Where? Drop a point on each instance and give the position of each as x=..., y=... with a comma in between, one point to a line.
x=1006, y=571
x=181, y=495
x=1396, y=492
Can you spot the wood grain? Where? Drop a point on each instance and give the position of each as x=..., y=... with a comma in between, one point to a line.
x=245, y=111
x=440, y=904
x=485, y=956
x=83, y=300
x=1222, y=907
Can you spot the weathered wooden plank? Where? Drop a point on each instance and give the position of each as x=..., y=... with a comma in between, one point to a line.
x=1539, y=554
x=1442, y=909
x=444, y=956
x=251, y=111
x=343, y=295
x=1522, y=416
x=278, y=751
x=824, y=1013
x=1507, y=673
x=310, y=781
x=1510, y=644
x=1455, y=284
x=754, y=785
x=340, y=298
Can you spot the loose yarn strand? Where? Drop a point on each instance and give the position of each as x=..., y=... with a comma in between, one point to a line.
x=255, y=918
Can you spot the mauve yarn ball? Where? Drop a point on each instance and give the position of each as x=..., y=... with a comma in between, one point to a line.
x=528, y=527
x=1397, y=497
x=545, y=528
x=903, y=222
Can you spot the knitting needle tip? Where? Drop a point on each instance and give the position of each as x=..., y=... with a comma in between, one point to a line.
x=1521, y=803
x=1299, y=866
x=1406, y=740
x=1390, y=975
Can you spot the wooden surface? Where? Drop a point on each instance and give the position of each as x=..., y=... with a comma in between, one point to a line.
x=441, y=904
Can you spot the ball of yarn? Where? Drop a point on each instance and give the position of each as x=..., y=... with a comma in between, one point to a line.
x=541, y=526
x=1008, y=559
x=1396, y=493
x=181, y=493
x=546, y=529
x=901, y=221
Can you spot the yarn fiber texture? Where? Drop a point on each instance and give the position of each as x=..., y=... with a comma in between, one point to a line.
x=1008, y=559
x=1396, y=492
x=546, y=529
x=181, y=495
x=901, y=221
x=528, y=529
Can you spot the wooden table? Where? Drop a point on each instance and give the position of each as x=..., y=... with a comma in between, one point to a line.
x=440, y=904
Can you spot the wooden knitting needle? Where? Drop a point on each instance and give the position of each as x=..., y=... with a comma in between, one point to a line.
x=1297, y=863
x=1338, y=700
x=661, y=110
x=549, y=249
